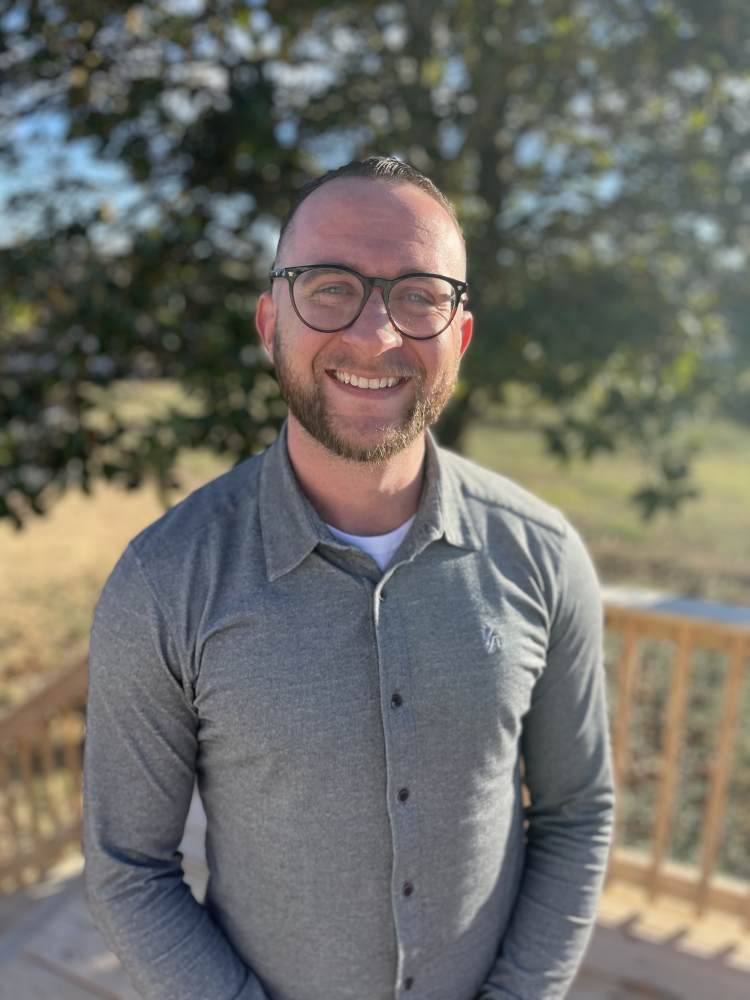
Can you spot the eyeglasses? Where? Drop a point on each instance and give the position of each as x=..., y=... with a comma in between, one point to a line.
x=330, y=297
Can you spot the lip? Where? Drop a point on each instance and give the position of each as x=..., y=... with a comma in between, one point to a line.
x=354, y=390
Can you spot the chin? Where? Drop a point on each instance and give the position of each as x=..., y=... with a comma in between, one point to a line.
x=375, y=445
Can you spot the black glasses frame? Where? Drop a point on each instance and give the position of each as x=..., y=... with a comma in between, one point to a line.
x=385, y=284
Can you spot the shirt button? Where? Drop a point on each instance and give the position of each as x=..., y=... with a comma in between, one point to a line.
x=408, y=983
x=408, y=889
x=403, y=795
x=396, y=700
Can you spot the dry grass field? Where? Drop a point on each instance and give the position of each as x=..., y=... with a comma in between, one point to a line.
x=52, y=571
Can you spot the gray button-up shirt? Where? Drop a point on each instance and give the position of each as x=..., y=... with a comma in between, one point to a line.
x=357, y=739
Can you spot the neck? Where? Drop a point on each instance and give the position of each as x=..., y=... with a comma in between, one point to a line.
x=354, y=497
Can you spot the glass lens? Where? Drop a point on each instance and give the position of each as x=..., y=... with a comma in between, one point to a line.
x=422, y=307
x=327, y=298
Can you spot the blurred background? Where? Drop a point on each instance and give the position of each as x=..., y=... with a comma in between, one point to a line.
x=598, y=156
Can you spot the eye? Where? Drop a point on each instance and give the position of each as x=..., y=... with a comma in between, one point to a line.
x=330, y=288
x=414, y=295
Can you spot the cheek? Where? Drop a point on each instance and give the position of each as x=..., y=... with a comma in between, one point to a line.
x=443, y=358
x=292, y=346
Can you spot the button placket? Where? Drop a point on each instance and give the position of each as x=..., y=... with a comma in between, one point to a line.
x=399, y=732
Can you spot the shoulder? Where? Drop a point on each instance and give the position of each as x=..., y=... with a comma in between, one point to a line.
x=528, y=539
x=501, y=498
x=170, y=578
x=205, y=514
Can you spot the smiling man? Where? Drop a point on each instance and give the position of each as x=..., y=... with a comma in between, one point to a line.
x=354, y=641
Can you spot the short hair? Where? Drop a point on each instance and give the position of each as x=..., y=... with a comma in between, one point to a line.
x=380, y=168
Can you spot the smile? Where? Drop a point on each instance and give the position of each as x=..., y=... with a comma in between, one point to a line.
x=366, y=383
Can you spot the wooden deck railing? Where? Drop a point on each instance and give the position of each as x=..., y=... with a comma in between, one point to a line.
x=684, y=637
x=41, y=746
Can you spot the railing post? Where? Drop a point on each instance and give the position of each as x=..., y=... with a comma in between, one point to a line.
x=9, y=810
x=27, y=780
x=723, y=761
x=72, y=753
x=671, y=753
x=626, y=683
x=47, y=757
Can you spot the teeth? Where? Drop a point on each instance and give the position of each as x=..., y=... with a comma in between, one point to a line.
x=365, y=383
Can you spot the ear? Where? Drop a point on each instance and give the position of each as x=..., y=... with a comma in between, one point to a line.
x=467, y=327
x=265, y=321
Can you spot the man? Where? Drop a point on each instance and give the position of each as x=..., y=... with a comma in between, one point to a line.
x=352, y=640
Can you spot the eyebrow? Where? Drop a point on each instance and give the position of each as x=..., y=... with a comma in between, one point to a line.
x=342, y=263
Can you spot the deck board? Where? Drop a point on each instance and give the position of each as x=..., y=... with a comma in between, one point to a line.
x=72, y=948
x=22, y=980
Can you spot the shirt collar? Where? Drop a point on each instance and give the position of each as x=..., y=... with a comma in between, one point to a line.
x=291, y=529
x=450, y=505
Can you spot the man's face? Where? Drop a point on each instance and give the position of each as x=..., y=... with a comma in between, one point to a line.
x=380, y=230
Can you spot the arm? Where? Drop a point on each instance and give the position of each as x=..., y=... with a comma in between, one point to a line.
x=565, y=745
x=139, y=766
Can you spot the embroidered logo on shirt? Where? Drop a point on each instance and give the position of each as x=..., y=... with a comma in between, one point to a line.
x=491, y=639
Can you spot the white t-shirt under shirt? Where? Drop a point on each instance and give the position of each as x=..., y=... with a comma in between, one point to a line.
x=380, y=547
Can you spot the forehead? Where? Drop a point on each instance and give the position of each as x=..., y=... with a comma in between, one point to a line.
x=377, y=227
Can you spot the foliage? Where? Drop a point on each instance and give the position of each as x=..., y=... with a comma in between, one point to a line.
x=596, y=152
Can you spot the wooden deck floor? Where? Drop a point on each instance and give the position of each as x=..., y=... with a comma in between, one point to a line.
x=50, y=949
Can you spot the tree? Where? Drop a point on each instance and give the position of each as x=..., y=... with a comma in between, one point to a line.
x=596, y=153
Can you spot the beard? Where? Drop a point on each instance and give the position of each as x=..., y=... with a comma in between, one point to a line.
x=310, y=406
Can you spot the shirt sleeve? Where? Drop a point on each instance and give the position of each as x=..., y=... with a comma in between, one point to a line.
x=139, y=767
x=566, y=751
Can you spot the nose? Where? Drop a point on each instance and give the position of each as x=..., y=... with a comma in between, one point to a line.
x=373, y=333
